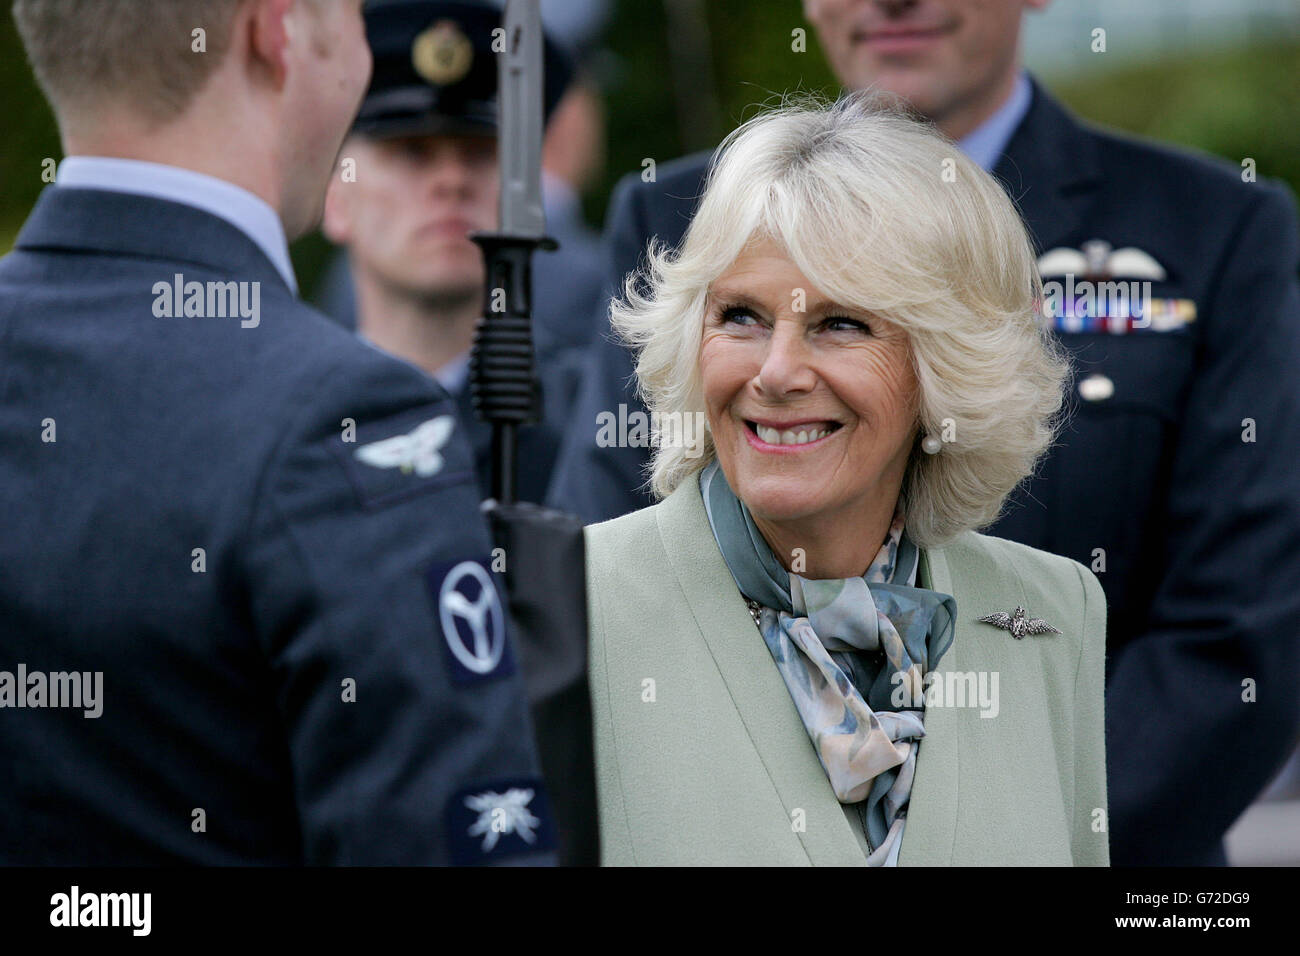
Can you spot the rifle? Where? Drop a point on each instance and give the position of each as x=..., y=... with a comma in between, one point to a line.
x=545, y=556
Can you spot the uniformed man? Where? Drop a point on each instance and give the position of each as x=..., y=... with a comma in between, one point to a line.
x=1175, y=478
x=248, y=614
x=419, y=174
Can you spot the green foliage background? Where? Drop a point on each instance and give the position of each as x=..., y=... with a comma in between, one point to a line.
x=1239, y=103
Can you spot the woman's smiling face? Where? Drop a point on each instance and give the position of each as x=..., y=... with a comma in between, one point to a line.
x=813, y=412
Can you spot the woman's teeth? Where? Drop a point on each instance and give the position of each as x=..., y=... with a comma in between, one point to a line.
x=802, y=436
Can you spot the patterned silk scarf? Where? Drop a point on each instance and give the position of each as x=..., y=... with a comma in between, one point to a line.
x=831, y=637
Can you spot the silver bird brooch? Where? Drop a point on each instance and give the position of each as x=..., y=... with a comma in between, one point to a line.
x=1019, y=623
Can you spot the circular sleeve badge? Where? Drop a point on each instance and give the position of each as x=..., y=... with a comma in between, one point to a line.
x=473, y=620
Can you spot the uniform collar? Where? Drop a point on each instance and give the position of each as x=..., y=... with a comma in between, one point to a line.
x=246, y=212
x=101, y=222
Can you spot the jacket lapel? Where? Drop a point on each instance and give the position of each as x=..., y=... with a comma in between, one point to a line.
x=760, y=697
x=1051, y=169
x=755, y=687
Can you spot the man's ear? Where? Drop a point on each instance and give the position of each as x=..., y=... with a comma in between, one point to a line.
x=270, y=36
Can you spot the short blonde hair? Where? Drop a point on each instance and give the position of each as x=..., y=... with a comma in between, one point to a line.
x=885, y=214
x=140, y=52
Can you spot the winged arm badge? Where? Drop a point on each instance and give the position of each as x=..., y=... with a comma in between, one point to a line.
x=417, y=451
x=1019, y=623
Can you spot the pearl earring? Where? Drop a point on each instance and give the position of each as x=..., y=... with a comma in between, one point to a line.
x=931, y=445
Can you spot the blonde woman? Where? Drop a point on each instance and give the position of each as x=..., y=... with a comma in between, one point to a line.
x=805, y=654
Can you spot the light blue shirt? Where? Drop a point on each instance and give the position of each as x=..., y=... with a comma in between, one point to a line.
x=987, y=141
x=252, y=216
x=455, y=374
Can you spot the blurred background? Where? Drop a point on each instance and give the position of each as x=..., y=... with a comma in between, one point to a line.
x=674, y=76
x=669, y=77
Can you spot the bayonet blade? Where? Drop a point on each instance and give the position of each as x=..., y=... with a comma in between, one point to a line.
x=520, y=146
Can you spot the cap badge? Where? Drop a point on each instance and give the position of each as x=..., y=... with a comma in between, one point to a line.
x=442, y=54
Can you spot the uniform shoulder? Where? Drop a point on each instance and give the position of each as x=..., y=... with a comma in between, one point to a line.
x=1147, y=164
x=681, y=178
x=686, y=170
x=323, y=357
x=323, y=394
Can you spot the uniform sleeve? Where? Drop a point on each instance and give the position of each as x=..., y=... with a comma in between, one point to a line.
x=1219, y=657
x=383, y=625
x=594, y=482
x=1090, y=840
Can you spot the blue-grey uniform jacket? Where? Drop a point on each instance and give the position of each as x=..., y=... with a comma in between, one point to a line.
x=264, y=536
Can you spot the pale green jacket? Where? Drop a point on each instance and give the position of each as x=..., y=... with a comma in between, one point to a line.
x=701, y=756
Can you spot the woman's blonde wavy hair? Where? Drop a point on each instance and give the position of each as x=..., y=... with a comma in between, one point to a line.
x=882, y=212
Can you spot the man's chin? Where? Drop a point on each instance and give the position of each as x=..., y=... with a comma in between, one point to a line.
x=445, y=292
x=914, y=83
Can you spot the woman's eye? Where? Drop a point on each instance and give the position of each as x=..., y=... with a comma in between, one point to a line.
x=841, y=323
x=738, y=315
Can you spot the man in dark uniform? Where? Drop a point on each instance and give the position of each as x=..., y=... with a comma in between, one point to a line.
x=249, y=613
x=420, y=173
x=1174, y=479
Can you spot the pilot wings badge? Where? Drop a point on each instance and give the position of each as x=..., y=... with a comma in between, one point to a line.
x=1019, y=623
x=417, y=451
x=1097, y=259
